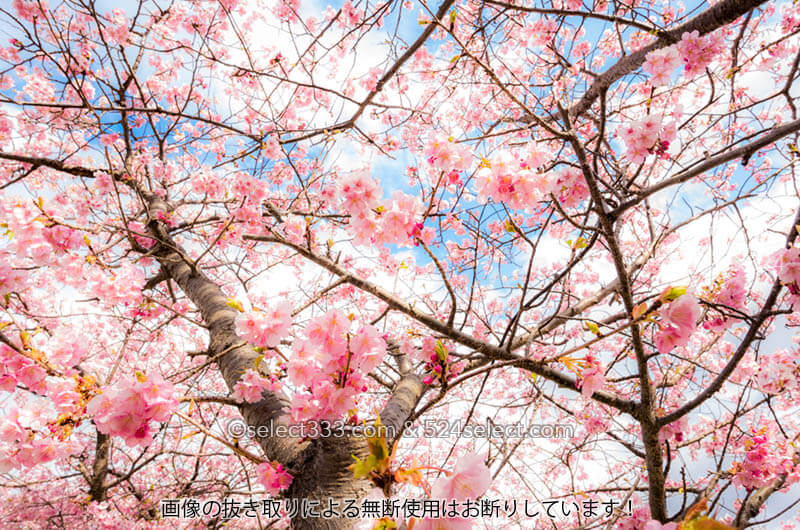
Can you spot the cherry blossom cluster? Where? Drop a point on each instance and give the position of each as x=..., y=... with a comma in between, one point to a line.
x=729, y=292
x=446, y=155
x=678, y=322
x=359, y=192
x=790, y=18
x=252, y=385
x=762, y=462
x=780, y=373
x=595, y=418
x=698, y=51
x=331, y=365
x=28, y=9
x=10, y=279
x=512, y=178
x=646, y=136
x=17, y=427
x=661, y=63
x=673, y=431
x=374, y=220
x=127, y=408
x=30, y=234
x=273, y=477
x=400, y=221
x=265, y=329
x=116, y=31
x=695, y=52
x=569, y=187
x=17, y=368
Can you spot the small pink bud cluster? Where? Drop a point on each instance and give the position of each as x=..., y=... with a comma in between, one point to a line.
x=438, y=367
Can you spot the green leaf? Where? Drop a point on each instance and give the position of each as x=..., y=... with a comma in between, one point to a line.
x=591, y=326
x=672, y=293
x=235, y=304
x=378, y=459
x=361, y=468
x=441, y=351
x=453, y=15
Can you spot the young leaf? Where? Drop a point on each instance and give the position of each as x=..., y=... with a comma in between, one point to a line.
x=235, y=304
x=672, y=293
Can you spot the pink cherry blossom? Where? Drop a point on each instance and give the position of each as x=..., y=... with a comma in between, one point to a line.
x=251, y=386
x=698, y=52
x=670, y=337
x=592, y=377
x=126, y=408
x=265, y=328
x=790, y=266
x=683, y=312
x=661, y=63
x=273, y=477
x=469, y=479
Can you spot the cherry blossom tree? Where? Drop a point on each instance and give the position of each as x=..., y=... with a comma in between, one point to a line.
x=389, y=223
